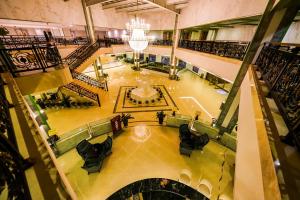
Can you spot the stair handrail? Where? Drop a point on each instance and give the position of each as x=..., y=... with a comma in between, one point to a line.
x=79, y=57
x=83, y=92
x=73, y=55
x=88, y=80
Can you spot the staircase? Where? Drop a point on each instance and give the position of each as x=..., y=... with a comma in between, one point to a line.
x=83, y=91
x=78, y=61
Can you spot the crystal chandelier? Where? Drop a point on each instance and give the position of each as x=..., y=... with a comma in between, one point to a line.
x=137, y=38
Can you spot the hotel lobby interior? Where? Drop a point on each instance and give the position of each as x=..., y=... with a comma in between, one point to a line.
x=150, y=99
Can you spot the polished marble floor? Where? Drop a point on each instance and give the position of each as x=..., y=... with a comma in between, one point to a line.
x=146, y=150
x=190, y=94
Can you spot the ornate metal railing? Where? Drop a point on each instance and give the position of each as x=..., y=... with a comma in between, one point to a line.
x=20, y=41
x=88, y=80
x=75, y=59
x=221, y=48
x=71, y=40
x=72, y=57
x=114, y=41
x=162, y=42
x=83, y=92
x=281, y=72
x=34, y=57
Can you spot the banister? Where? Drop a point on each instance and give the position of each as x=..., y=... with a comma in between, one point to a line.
x=70, y=191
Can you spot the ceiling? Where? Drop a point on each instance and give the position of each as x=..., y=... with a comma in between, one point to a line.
x=138, y=6
x=253, y=20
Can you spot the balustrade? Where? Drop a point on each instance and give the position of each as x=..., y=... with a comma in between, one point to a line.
x=88, y=80
x=20, y=41
x=11, y=172
x=81, y=54
x=221, y=48
x=280, y=70
x=83, y=92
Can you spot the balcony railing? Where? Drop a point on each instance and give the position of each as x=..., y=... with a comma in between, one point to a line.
x=280, y=70
x=115, y=41
x=20, y=41
x=29, y=57
x=162, y=42
x=221, y=48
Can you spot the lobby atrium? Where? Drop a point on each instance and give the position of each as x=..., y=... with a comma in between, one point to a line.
x=150, y=99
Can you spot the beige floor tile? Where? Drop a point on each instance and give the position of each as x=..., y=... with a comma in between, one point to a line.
x=147, y=151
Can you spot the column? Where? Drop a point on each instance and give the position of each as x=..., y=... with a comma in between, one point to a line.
x=175, y=43
x=270, y=22
x=136, y=59
x=97, y=68
x=89, y=21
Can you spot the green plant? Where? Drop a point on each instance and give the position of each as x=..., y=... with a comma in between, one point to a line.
x=3, y=31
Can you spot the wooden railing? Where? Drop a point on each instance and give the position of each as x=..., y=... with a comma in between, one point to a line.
x=10, y=167
x=40, y=136
x=221, y=48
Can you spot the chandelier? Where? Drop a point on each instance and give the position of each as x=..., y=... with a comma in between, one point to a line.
x=137, y=38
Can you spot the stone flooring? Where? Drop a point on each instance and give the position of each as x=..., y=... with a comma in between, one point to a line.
x=146, y=150
x=190, y=94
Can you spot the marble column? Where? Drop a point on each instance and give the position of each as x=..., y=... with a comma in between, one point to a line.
x=136, y=59
x=97, y=68
x=175, y=43
x=89, y=21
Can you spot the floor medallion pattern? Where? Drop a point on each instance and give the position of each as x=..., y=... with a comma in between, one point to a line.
x=125, y=103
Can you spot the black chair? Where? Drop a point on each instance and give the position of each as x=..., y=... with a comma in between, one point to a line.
x=94, y=154
x=200, y=141
x=93, y=163
x=185, y=149
x=189, y=142
x=83, y=147
x=184, y=132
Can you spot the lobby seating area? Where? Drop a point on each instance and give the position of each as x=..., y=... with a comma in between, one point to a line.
x=190, y=141
x=94, y=154
x=150, y=100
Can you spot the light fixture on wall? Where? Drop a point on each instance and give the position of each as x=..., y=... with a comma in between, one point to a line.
x=137, y=29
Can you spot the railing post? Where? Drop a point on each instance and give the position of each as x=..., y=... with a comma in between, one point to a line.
x=98, y=100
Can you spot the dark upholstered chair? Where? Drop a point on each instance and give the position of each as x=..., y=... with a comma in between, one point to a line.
x=83, y=147
x=189, y=141
x=200, y=141
x=94, y=154
x=185, y=149
x=184, y=132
